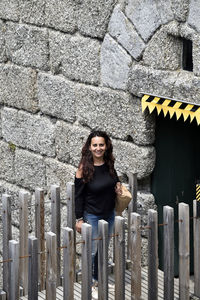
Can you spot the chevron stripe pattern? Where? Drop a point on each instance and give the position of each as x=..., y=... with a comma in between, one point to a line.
x=172, y=107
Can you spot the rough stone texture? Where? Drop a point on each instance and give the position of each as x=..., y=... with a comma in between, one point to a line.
x=10, y=9
x=59, y=173
x=180, y=9
x=0, y=124
x=69, y=142
x=93, y=17
x=123, y=30
x=194, y=13
x=17, y=87
x=165, y=10
x=27, y=45
x=148, y=80
x=76, y=57
x=33, y=12
x=145, y=17
x=56, y=97
x=196, y=55
x=28, y=131
x=133, y=158
x=164, y=51
x=145, y=201
x=3, y=56
x=7, y=156
x=29, y=170
x=115, y=64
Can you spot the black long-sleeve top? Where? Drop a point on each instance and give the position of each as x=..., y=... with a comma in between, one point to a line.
x=97, y=196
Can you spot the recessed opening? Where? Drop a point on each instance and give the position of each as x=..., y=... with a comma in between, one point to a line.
x=187, y=61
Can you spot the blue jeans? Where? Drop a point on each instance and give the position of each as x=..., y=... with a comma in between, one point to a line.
x=93, y=220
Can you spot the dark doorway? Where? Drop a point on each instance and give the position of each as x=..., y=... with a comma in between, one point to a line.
x=176, y=172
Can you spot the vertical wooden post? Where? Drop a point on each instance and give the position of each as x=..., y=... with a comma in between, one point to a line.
x=153, y=255
x=13, y=270
x=184, y=252
x=7, y=235
x=86, y=261
x=33, y=268
x=132, y=205
x=168, y=234
x=23, y=228
x=51, y=266
x=119, y=258
x=68, y=263
x=196, y=227
x=55, y=222
x=135, y=244
x=103, y=260
x=40, y=234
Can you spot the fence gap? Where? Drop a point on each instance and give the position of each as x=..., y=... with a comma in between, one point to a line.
x=51, y=266
x=13, y=270
x=86, y=230
x=184, y=252
x=33, y=268
x=23, y=235
x=119, y=258
x=7, y=235
x=196, y=238
x=68, y=264
x=152, y=255
x=103, y=260
x=135, y=244
x=55, y=223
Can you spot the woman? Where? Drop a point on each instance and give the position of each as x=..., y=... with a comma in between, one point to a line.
x=96, y=185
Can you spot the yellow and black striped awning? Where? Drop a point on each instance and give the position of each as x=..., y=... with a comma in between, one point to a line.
x=172, y=107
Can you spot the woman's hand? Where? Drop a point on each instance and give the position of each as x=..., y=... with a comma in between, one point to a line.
x=118, y=188
x=78, y=225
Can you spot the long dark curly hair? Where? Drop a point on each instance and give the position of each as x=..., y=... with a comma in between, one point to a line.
x=87, y=164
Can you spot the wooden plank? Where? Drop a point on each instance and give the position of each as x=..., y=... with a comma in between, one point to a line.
x=68, y=263
x=7, y=235
x=33, y=268
x=86, y=230
x=40, y=234
x=23, y=243
x=184, y=251
x=13, y=270
x=135, y=243
x=55, y=222
x=196, y=239
x=168, y=234
x=103, y=260
x=51, y=266
x=153, y=254
x=119, y=258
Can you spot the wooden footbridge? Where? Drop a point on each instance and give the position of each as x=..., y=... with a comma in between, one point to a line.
x=43, y=265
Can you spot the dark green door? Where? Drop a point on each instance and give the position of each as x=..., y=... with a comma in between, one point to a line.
x=176, y=171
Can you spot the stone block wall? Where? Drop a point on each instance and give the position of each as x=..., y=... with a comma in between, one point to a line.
x=67, y=67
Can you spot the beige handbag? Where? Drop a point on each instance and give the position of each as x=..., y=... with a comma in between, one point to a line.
x=123, y=200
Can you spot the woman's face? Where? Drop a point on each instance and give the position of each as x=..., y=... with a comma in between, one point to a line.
x=97, y=147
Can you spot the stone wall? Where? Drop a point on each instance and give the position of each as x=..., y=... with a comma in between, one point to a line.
x=67, y=67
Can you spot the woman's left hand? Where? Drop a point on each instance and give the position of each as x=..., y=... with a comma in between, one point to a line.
x=118, y=188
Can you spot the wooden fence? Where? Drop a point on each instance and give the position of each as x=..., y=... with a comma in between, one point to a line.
x=34, y=263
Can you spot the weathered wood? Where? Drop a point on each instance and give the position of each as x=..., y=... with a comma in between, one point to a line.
x=86, y=230
x=103, y=260
x=7, y=235
x=55, y=222
x=33, y=268
x=168, y=235
x=13, y=270
x=68, y=263
x=119, y=258
x=40, y=234
x=135, y=244
x=153, y=255
x=132, y=207
x=23, y=244
x=51, y=266
x=196, y=239
x=184, y=251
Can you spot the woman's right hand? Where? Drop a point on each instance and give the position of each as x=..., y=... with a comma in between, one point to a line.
x=78, y=225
